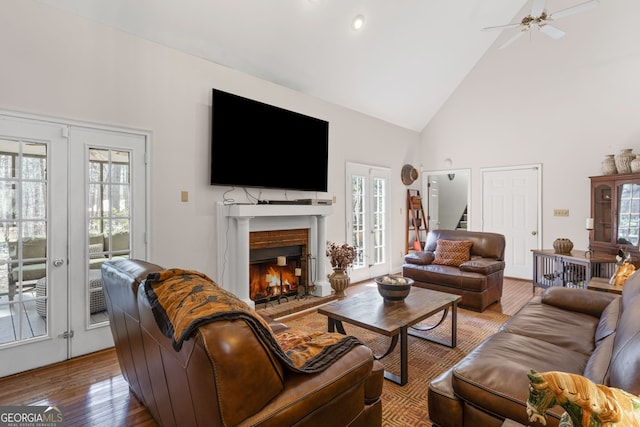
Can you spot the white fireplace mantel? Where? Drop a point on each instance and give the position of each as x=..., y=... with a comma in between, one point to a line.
x=235, y=222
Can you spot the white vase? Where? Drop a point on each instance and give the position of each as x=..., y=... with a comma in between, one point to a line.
x=609, y=165
x=635, y=164
x=623, y=160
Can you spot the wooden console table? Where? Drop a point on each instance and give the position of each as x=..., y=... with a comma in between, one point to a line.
x=574, y=269
x=602, y=284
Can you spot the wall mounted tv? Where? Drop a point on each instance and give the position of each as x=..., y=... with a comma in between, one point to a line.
x=254, y=144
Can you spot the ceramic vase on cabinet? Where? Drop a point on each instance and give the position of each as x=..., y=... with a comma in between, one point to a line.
x=609, y=165
x=339, y=281
x=562, y=246
x=623, y=160
x=635, y=164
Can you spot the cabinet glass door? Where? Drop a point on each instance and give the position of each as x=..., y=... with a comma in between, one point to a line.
x=602, y=230
x=628, y=214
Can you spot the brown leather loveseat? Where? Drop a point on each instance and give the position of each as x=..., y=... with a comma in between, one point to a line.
x=224, y=375
x=478, y=279
x=579, y=331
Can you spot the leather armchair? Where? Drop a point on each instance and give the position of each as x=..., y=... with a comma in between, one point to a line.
x=478, y=280
x=225, y=375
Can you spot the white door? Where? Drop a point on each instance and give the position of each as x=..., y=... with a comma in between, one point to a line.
x=511, y=206
x=108, y=217
x=33, y=244
x=433, y=199
x=367, y=210
x=63, y=189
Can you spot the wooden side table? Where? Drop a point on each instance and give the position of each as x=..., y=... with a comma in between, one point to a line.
x=602, y=284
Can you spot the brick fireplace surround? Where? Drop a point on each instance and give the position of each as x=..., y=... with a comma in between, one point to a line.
x=234, y=224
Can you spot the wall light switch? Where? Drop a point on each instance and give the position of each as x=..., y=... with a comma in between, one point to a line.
x=334, y=199
x=184, y=196
x=561, y=212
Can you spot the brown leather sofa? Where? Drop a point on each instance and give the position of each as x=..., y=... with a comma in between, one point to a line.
x=478, y=280
x=224, y=375
x=580, y=331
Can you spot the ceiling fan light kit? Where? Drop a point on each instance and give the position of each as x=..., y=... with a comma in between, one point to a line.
x=538, y=18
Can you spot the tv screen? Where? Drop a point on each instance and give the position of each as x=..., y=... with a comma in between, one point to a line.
x=254, y=144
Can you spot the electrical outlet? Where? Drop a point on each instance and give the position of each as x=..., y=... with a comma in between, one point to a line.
x=184, y=196
x=561, y=212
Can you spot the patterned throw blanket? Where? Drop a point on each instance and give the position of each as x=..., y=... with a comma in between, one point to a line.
x=184, y=300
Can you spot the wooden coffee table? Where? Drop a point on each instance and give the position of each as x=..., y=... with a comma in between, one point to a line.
x=368, y=310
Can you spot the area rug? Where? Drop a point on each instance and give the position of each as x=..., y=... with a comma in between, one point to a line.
x=407, y=405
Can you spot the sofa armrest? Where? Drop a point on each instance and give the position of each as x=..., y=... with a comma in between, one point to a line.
x=484, y=266
x=581, y=300
x=419, y=258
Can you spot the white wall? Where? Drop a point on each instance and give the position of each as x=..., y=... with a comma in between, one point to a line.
x=562, y=103
x=60, y=65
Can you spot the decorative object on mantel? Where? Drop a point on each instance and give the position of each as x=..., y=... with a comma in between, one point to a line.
x=341, y=257
x=609, y=165
x=562, y=245
x=623, y=160
x=635, y=164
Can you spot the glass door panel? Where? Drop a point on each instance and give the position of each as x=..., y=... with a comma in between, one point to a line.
x=33, y=269
x=629, y=215
x=602, y=227
x=109, y=192
x=368, y=220
x=23, y=250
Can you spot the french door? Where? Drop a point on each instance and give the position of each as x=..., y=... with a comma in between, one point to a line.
x=64, y=191
x=367, y=211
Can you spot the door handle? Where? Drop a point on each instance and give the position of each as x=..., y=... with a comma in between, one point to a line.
x=533, y=233
x=58, y=262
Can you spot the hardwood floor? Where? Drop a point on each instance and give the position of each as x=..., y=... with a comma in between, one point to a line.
x=91, y=390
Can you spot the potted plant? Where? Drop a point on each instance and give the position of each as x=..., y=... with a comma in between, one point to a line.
x=341, y=256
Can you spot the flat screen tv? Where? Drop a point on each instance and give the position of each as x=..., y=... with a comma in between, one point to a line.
x=254, y=144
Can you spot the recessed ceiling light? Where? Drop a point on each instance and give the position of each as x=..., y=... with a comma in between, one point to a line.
x=358, y=22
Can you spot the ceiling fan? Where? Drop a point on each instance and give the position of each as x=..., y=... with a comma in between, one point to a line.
x=539, y=19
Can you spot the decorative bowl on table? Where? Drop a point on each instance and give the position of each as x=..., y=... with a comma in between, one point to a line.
x=393, y=288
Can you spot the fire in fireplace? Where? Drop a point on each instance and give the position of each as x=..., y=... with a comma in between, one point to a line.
x=271, y=281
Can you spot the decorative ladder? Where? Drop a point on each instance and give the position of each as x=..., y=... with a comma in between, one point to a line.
x=416, y=222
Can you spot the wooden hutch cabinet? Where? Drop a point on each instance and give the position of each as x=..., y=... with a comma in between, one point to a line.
x=615, y=209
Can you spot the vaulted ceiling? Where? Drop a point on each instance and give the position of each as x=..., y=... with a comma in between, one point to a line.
x=401, y=66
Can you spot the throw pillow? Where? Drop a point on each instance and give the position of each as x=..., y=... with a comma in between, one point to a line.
x=452, y=252
x=586, y=404
x=95, y=250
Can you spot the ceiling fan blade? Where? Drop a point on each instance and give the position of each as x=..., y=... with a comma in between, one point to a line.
x=512, y=39
x=537, y=7
x=583, y=7
x=501, y=27
x=552, y=32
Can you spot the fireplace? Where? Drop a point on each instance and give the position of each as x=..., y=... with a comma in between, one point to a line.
x=276, y=273
x=281, y=226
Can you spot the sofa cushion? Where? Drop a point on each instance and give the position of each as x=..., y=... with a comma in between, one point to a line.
x=484, y=266
x=625, y=359
x=608, y=321
x=452, y=252
x=34, y=247
x=597, y=369
x=494, y=375
x=570, y=330
x=419, y=258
